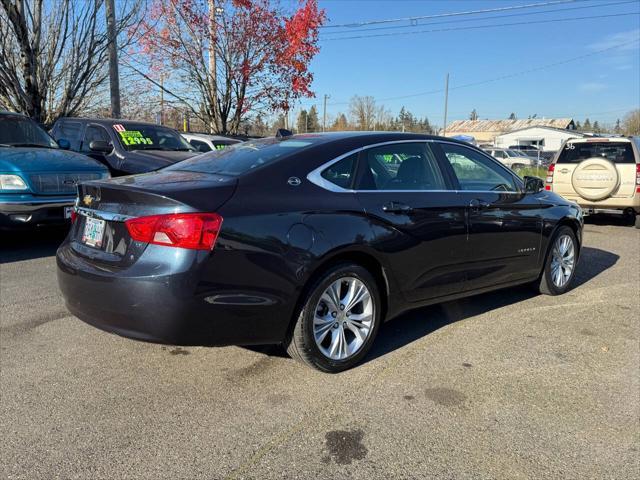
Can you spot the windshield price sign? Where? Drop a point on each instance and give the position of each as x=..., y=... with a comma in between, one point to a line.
x=134, y=137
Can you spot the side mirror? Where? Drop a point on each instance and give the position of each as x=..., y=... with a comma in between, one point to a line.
x=533, y=184
x=63, y=143
x=101, y=146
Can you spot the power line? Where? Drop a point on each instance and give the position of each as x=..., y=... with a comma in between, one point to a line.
x=493, y=17
x=504, y=77
x=476, y=27
x=450, y=14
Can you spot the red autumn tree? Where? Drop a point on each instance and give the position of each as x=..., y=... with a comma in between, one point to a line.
x=229, y=58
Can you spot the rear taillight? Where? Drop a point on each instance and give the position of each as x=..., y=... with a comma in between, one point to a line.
x=552, y=167
x=637, y=177
x=196, y=231
x=74, y=215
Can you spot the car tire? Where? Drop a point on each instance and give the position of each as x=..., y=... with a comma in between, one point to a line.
x=637, y=222
x=553, y=279
x=318, y=317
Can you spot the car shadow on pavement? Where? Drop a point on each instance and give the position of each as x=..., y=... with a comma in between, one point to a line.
x=30, y=244
x=413, y=325
x=608, y=220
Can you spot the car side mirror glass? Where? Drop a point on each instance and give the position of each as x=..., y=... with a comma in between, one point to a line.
x=533, y=184
x=63, y=143
x=100, y=146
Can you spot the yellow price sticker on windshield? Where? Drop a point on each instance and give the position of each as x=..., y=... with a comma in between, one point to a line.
x=134, y=137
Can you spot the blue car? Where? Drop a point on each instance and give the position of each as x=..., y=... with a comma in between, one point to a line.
x=38, y=177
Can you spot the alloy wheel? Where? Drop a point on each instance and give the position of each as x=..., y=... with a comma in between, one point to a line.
x=562, y=261
x=343, y=319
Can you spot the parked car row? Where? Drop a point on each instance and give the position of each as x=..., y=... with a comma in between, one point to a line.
x=38, y=177
x=40, y=171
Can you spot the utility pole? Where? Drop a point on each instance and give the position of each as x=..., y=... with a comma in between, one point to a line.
x=324, y=113
x=161, y=98
x=112, y=46
x=446, y=105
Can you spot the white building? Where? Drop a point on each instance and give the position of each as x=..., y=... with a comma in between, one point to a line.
x=547, y=139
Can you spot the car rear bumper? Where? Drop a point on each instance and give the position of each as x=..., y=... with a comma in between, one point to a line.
x=29, y=211
x=168, y=306
x=608, y=205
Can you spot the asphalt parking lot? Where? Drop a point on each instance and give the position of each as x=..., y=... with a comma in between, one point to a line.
x=504, y=385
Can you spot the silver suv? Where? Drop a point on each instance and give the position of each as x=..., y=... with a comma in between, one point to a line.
x=602, y=175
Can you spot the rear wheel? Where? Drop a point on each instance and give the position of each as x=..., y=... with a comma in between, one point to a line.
x=560, y=265
x=637, y=221
x=338, y=320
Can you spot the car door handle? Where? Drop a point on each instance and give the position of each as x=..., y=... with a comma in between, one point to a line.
x=396, y=207
x=478, y=204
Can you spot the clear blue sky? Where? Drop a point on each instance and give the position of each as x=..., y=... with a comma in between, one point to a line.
x=601, y=86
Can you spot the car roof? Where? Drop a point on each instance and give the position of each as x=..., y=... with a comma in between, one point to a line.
x=111, y=121
x=599, y=139
x=208, y=136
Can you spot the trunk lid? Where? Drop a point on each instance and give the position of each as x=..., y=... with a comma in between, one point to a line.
x=103, y=207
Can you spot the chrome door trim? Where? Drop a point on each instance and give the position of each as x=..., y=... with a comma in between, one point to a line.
x=315, y=176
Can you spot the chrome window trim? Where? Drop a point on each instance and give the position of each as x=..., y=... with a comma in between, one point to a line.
x=315, y=176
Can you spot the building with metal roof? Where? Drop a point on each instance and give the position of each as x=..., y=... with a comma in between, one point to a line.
x=487, y=130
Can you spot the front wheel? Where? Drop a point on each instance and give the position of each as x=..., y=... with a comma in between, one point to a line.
x=560, y=265
x=338, y=320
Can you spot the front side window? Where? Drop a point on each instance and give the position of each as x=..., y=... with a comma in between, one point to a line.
x=341, y=173
x=401, y=166
x=94, y=133
x=477, y=172
x=19, y=131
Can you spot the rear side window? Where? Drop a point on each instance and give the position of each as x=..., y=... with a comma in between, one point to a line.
x=68, y=130
x=341, y=173
x=401, y=166
x=237, y=159
x=616, y=152
x=200, y=146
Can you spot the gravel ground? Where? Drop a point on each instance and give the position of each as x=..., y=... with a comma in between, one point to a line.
x=502, y=385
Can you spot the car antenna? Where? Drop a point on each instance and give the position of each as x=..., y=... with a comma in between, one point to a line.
x=283, y=133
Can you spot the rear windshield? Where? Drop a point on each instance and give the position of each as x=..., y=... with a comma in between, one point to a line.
x=616, y=152
x=240, y=158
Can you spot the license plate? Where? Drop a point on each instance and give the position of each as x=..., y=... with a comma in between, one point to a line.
x=67, y=212
x=93, y=232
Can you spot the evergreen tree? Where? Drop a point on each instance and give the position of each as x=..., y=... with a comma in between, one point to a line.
x=512, y=116
x=302, y=123
x=618, y=128
x=313, y=123
x=340, y=124
x=473, y=115
x=578, y=126
x=587, y=125
x=596, y=127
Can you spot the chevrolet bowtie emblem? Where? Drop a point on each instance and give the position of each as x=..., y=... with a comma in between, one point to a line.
x=87, y=199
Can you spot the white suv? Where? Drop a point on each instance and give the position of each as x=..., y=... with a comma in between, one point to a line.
x=512, y=158
x=601, y=174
